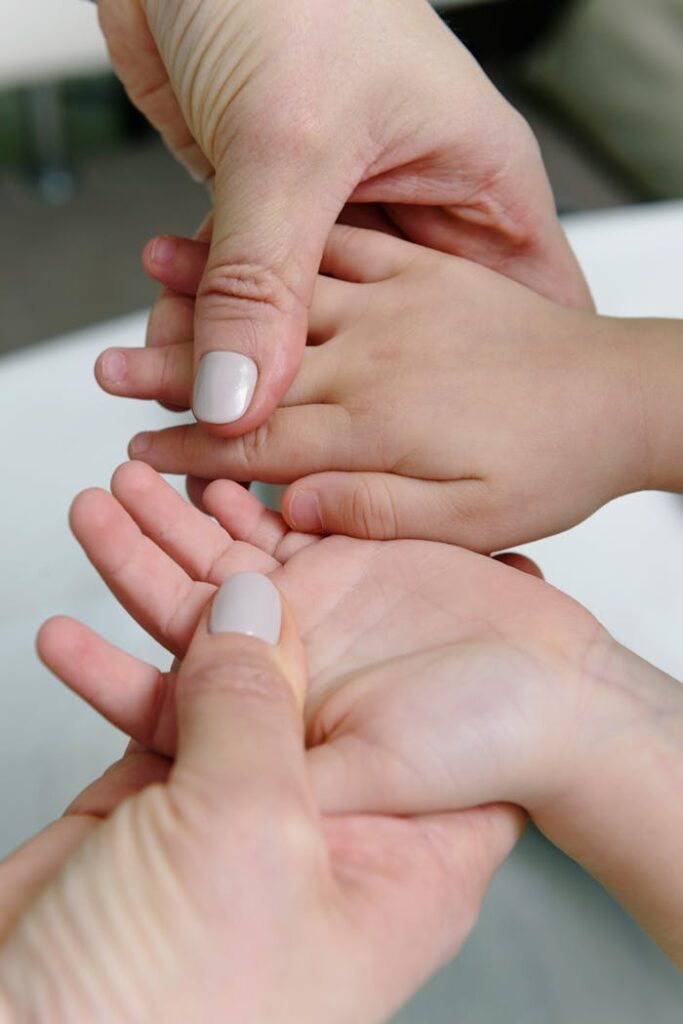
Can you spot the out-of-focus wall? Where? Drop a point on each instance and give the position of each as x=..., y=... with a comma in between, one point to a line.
x=48, y=39
x=615, y=68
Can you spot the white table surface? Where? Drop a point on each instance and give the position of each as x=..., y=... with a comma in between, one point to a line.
x=580, y=959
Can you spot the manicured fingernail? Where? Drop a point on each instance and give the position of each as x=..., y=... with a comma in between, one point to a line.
x=140, y=443
x=113, y=366
x=247, y=603
x=163, y=250
x=304, y=512
x=224, y=387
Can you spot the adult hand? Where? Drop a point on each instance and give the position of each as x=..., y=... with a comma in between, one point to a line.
x=212, y=889
x=439, y=678
x=300, y=107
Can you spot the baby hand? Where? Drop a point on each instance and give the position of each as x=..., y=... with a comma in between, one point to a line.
x=436, y=400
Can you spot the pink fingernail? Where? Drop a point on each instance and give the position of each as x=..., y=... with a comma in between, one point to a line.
x=304, y=512
x=163, y=250
x=140, y=443
x=113, y=366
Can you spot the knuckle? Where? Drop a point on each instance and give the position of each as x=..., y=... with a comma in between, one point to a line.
x=170, y=320
x=278, y=832
x=190, y=445
x=524, y=137
x=249, y=674
x=297, y=129
x=372, y=510
x=273, y=838
x=344, y=239
x=166, y=382
x=254, y=445
x=468, y=509
x=237, y=289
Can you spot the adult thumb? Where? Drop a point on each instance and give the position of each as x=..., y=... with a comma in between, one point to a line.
x=239, y=698
x=251, y=319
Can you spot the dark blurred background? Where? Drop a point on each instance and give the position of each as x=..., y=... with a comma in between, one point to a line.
x=84, y=183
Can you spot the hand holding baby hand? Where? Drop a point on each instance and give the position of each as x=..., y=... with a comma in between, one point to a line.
x=436, y=400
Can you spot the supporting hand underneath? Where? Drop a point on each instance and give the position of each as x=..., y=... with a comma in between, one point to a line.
x=211, y=889
x=295, y=108
x=439, y=679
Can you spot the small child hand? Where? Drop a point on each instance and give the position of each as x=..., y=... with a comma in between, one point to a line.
x=436, y=400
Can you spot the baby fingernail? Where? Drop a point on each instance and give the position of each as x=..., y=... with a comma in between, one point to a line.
x=224, y=387
x=163, y=250
x=247, y=603
x=140, y=443
x=113, y=366
x=304, y=512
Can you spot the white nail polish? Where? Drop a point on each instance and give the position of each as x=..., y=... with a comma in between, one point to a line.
x=224, y=387
x=247, y=603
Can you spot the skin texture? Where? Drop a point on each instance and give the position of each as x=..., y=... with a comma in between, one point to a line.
x=438, y=679
x=537, y=408
x=211, y=889
x=429, y=147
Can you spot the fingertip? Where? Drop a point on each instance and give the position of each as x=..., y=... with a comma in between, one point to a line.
x=224, y=387
x=250, y=608
x=140, y=445
x=146, y=255
x=195, y=487
x=301, y=509
x=521, y=563
x=59, y=642
x=52, y=632
x=219, y=494
x=132, y=475
x=159, y=253
x=111, y=369
x=87, y=507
